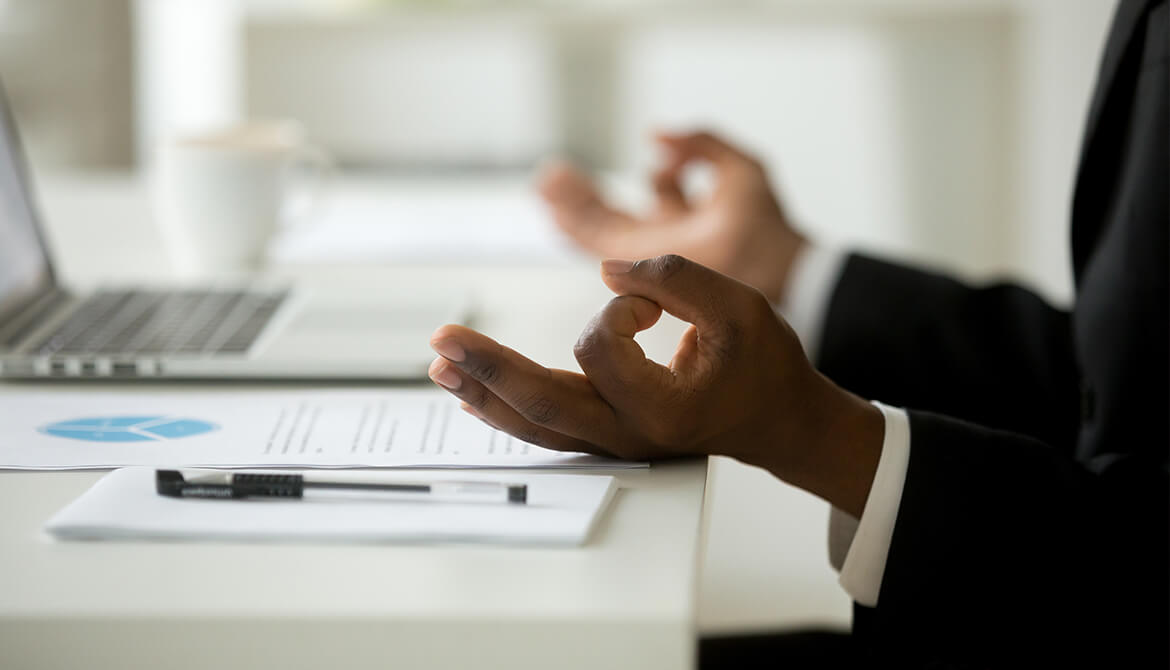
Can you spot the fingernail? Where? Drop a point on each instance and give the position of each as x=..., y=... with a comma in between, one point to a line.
x=470, y=410
x=448, y=348
x=446, y=377
x=616, y=267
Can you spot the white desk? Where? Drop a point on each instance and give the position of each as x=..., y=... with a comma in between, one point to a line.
x=624, y=600
x=627, y=599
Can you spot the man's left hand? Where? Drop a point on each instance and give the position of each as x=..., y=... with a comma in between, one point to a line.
x=738, y=385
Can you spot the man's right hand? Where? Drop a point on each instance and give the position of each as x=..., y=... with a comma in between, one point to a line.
x=740, y=229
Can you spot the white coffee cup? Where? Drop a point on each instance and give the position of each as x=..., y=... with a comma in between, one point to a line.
x=221, y=195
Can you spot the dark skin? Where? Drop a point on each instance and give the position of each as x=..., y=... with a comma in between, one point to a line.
x=739, y=385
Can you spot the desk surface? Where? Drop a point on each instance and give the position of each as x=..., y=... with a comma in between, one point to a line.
x=627, y=599
x=624, y=600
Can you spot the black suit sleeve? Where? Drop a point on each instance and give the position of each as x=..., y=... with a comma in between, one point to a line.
x=998, y=355
x=1032, y=532
x=1008, y=553
x=1010, y=546
x=1006, y=540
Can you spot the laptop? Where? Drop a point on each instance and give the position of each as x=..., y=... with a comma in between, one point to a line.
x=48, y=331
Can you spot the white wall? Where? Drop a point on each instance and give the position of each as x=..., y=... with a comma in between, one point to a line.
x=413, y=91
x=1059, y=45
x=883, y=131
x=937, y=131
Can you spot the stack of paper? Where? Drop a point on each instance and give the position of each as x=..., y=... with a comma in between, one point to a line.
x=310, y=429
x=313, y=429
x=561, y=510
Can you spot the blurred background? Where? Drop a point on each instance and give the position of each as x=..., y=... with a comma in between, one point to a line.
x=940, y=131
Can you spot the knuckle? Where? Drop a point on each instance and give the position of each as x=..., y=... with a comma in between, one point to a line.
x=730, y=341
x=738, y=323
x=589, y=344
x=485, y=372
x=662, y=268
x=539, y=408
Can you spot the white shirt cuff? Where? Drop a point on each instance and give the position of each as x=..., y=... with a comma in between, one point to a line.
x=857, y=548
x=811, y=281
x=861, y=574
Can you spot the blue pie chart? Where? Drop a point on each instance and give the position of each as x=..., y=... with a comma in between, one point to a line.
x=128, y=428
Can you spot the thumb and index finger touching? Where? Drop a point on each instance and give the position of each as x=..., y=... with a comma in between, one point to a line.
x=607, y=352
x=563, y=410
x=702, y=145
x=694, y=293
x=579, y=207
x=683, y=149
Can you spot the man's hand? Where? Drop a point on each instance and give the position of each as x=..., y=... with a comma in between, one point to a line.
x=739, y=230
x=738, y=385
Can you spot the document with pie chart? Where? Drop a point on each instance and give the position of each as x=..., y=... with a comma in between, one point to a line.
x=307, y=429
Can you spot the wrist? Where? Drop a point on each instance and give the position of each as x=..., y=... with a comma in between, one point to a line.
x=834, y=449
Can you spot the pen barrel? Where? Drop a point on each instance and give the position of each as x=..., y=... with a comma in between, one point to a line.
x=469, y=492
x=440, y=491
x=268, y=485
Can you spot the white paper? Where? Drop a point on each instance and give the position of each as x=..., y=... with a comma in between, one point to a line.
x=561, y=509
x=314, y=429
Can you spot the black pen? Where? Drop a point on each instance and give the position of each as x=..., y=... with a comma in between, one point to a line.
x=227, y=485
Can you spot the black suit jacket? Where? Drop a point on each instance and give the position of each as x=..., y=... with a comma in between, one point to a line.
x=1035, y=508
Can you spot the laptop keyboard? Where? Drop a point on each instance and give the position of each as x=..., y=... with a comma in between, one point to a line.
x=164, y=322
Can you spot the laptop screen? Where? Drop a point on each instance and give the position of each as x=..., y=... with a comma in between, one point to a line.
x=24, y=263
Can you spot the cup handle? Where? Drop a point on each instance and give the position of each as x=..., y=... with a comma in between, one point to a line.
x=312, y=167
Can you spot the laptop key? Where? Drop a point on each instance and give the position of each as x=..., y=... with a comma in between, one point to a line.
x=83, y=324
x=156, y=323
